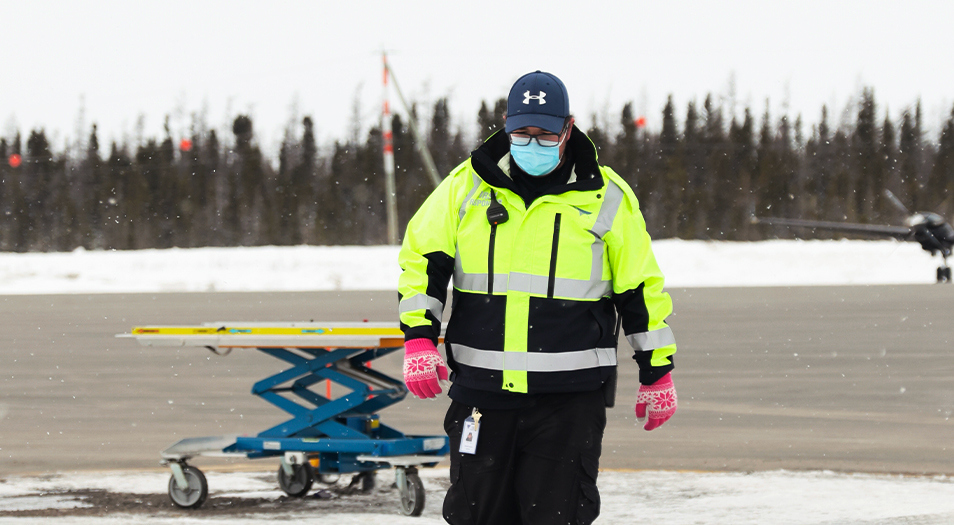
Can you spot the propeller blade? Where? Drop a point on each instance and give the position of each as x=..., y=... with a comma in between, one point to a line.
x=898, y=232
x=897, y=202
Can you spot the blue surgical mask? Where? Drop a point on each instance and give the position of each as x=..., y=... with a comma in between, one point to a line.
x=534, y=159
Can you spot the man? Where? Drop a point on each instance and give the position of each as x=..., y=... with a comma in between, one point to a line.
x=545, y=247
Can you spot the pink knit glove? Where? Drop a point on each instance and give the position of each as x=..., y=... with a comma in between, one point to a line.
x=659, y=400
x=423, y=366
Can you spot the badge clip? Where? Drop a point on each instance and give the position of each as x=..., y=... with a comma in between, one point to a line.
x=468, y=438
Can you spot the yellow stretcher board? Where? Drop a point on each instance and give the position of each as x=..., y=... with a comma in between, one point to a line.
x=255, y=335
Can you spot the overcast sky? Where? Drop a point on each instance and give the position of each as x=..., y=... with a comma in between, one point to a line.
x=280, y=60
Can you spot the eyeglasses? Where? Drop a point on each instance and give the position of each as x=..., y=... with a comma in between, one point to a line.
x=546, y=140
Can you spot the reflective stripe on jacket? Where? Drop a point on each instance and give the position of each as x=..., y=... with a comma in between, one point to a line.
x=536, y=296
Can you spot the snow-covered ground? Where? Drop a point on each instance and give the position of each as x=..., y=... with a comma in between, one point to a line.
x=675, y=498
x=306, y=268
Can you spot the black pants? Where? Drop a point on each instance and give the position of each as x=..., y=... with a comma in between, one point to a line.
x=533, y=466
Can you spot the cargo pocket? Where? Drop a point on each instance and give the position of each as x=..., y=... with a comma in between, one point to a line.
x=588, y=507
x=456, y=510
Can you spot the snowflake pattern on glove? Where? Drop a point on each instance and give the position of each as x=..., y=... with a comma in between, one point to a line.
x=660, y=401
x=421, y=367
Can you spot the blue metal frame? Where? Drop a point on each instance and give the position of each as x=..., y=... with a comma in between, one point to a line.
x=337, y=430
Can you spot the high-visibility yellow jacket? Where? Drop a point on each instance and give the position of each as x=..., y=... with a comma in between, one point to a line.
x=535, y=296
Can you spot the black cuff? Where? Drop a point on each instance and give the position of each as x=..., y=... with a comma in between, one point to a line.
x=649, y=374
x=420, y=332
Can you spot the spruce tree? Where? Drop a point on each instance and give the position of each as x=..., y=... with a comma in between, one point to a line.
x=910, y=154
x=867, y=166
x=412, y=185
x=715, y=188
x=500, y=112
x=369, y=197
x=61, y=210
x=627, y=151
x=604, y=146
x=5, y=193
x=891, y=179
x=338, y=221
x=691, y=221
x=458, y=150
x=842, y=189
x=254, y=208
x=119, y=173
x=167, y=182
x=488, y=122
x=743, y=164
x=18, y=220
x=440, y=138
x=672, y=178
x=91, y=193
x=801, y=202
x=195, y=192
x=785, y=180
x=145, y=197
x=304, y=176
x=766, y=163
x=37, y=231
x=818, y=161
x=218, y=177
x=283, y=189
x=941, y=180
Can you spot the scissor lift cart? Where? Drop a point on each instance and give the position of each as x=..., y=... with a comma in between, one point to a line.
x=325, y=437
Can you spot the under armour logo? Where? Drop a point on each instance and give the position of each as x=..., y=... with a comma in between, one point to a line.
x=539, y=98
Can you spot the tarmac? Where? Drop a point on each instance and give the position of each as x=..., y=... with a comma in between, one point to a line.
x=853, y=379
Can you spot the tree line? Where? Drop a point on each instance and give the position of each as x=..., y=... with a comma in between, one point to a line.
x=701, y=176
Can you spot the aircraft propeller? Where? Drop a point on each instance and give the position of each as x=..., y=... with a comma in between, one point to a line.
x=929, y=229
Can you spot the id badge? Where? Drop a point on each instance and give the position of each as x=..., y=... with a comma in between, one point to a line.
x=468, y=439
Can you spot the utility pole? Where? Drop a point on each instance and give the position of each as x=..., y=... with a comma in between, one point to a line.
x=387, y=135
x=419, y=141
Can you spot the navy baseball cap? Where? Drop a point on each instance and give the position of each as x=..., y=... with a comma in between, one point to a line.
x=537, y=99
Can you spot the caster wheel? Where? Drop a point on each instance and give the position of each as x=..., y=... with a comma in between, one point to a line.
x=192, y=497
x=412, y=495
x=299, y=483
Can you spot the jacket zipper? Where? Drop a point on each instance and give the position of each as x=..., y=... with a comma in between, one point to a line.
x=490, y=260
x=553, y=255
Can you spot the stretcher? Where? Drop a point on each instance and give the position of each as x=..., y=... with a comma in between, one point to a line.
x=325, y=437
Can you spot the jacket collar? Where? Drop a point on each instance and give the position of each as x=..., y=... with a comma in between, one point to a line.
x=491, y=161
